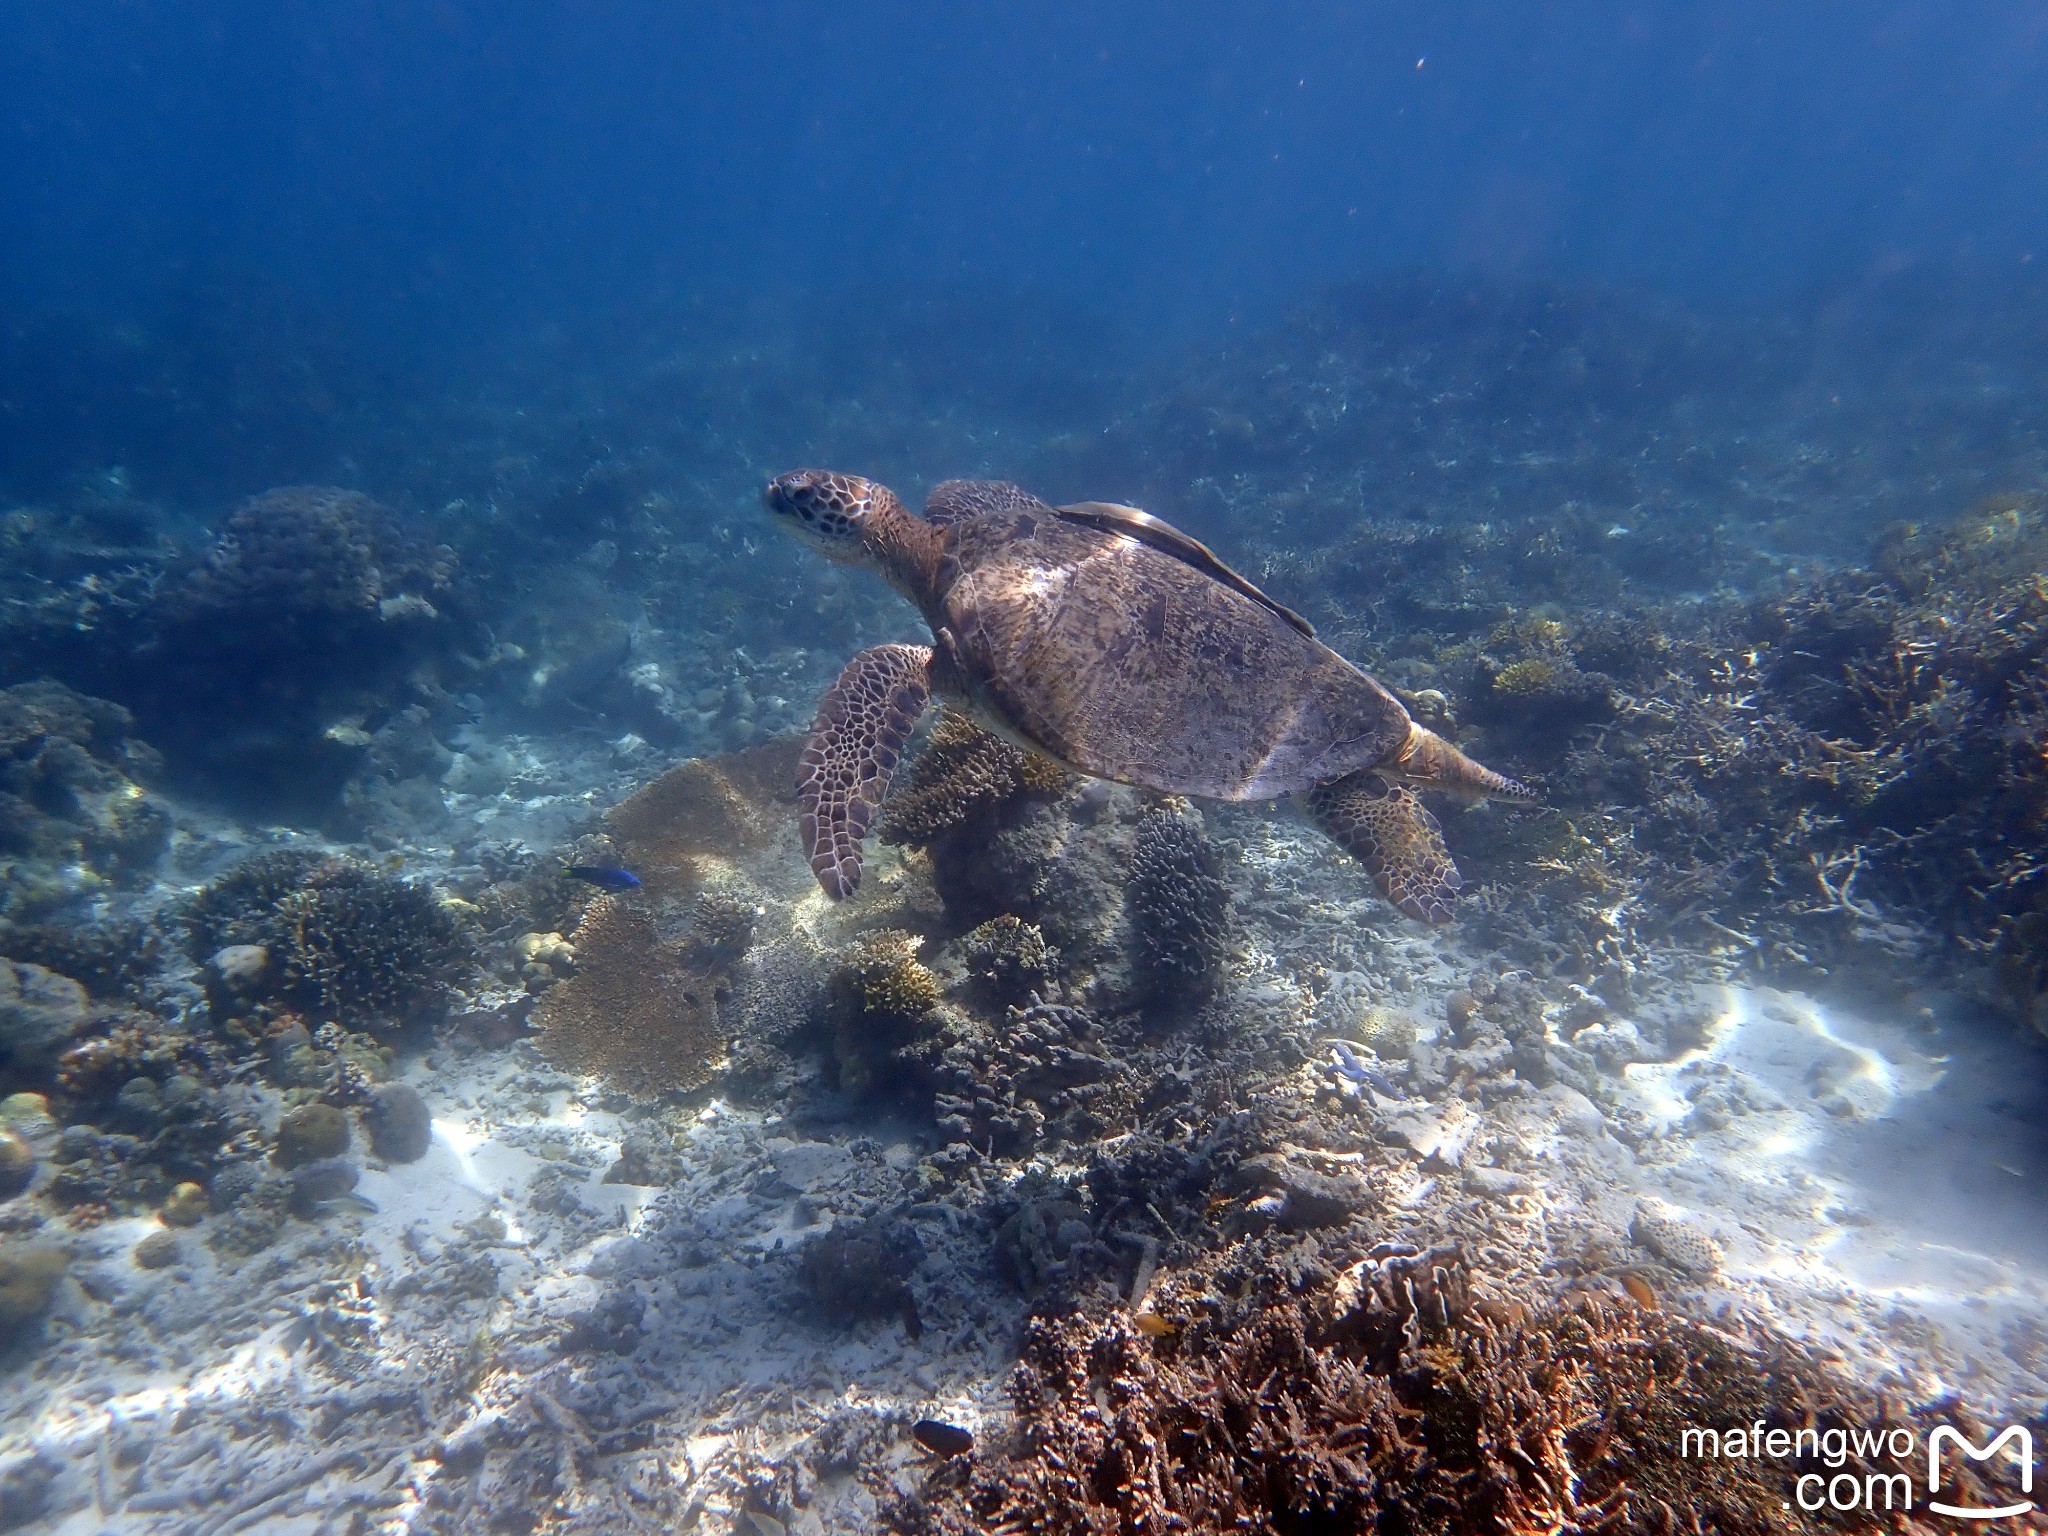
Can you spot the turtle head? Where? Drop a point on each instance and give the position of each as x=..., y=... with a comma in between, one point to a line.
x=835, y=514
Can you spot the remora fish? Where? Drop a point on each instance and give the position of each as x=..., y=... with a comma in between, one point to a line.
x=604, y=878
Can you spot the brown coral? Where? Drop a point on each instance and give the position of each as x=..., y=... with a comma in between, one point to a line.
x=703, y=816
x=1392, y=1404
x=634, y=1014
x=962, y=774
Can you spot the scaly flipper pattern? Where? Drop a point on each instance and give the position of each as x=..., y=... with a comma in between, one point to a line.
x=1390, y=832
x=863, y=723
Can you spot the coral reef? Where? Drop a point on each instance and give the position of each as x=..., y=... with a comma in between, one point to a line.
x=959, y=795
x=1010, y=957
x=309, y=1133
x=17, y=1163
x=311, y=564
x=400, y=1125
x=113, y=960
x=341, y=941
x=862, y=1269
x=29, y=1275
x=274, y=661
x=961, y=775
x=880, y=998
x=1397, y=1394
x=683, y=833
x=635, y=1013
x=1046, y=1070
x=73, y=818
x=1179, y=910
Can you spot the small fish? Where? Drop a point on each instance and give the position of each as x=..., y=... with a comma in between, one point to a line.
x=943, y=1439
x=604, y=877
x=1350, y=1064
x=1152, y=1325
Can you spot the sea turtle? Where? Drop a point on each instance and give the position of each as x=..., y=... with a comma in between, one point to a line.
x=1116, y=645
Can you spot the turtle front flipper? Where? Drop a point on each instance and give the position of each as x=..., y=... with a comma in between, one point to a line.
x=863, y=724
x=1390, y=832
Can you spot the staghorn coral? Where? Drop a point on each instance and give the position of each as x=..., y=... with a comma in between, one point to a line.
x=1398, y=1395
x=1179, y=909
x=342, y=941
x=634, y=1014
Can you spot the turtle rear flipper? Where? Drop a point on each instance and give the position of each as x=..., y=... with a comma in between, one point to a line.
x=1390, y=832
x=863, y=724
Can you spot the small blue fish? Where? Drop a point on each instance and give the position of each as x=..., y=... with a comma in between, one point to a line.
x=604, y=878
x=1350, y=1064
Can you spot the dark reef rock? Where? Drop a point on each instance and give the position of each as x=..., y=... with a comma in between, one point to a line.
x=861, y=1269
x=73, y=817
x=343, y=942
x=41, y=1013
x=1179, y=910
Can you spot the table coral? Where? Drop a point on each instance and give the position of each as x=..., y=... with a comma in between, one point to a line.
x=634, y=1014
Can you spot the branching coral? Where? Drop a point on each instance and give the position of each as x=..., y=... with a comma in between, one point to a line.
x=340, y=940
x=635, y=1013
x=1398, y=1396
x=1010, y=956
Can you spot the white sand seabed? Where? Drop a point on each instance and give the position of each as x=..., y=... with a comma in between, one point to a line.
x=1872, y=1189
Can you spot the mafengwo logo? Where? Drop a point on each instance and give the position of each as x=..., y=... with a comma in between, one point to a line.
x=2017, y=1437
x=1864, y=1490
